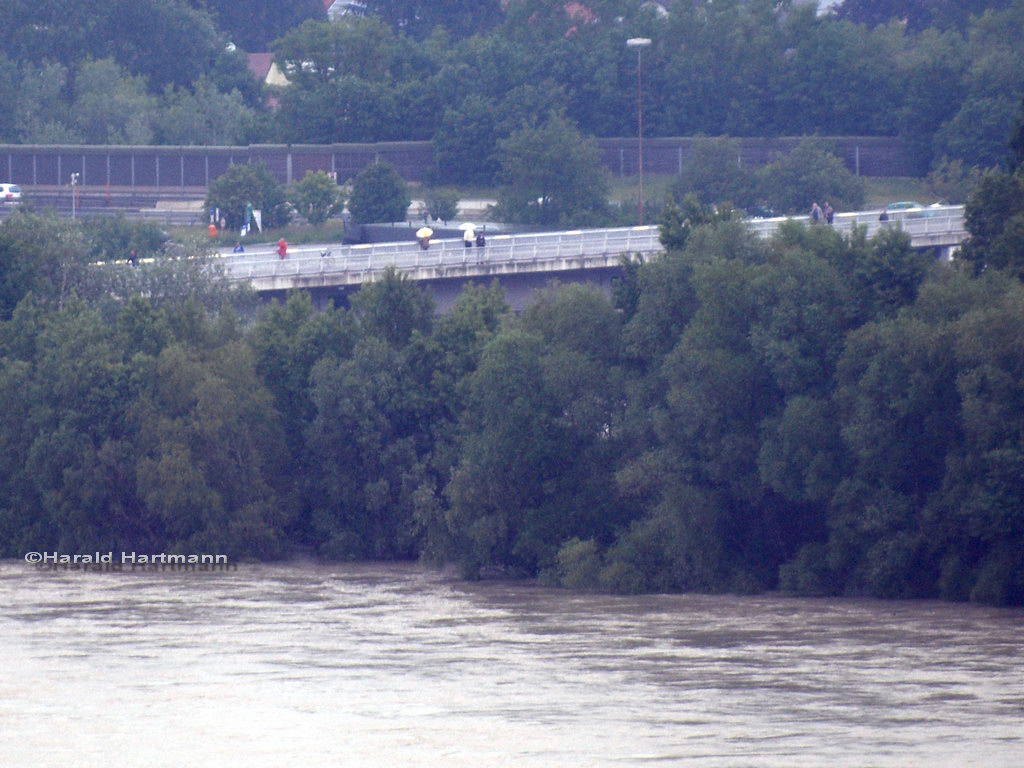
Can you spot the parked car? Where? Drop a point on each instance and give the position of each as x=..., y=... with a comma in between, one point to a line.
x=10, y=193
x=904, y=205
x=911, y=210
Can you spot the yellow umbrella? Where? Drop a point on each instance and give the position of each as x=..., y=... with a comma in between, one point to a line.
x=424, y=232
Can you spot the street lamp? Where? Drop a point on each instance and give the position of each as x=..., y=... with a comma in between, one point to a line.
x=640, y=43
x=75, y=178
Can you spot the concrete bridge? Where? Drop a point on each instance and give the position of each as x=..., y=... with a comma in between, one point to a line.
x=525, y=262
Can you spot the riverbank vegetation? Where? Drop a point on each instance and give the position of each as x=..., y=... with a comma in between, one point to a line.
x=817, y=413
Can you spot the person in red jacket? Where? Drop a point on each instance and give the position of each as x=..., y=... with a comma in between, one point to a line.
x=282, y=248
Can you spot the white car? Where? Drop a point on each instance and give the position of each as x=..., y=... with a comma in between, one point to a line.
x=10, y=193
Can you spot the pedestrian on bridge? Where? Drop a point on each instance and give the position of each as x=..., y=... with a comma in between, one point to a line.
x=829, y=213
x=481, y=241
x=282, y=248
x=815, y=213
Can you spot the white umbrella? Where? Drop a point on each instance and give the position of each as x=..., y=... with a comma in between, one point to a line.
x=467, y=225
x=424, y=232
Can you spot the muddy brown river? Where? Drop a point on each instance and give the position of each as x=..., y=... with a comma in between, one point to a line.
x=388, y=666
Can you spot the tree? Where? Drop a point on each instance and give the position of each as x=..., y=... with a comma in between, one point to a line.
x=465, y=142
x=162, y=42
x=538, y=429
x=714, y=174
x=442, y=204
x=254, y=25
x=977, y=134
x=419, y=17
x=372, y=435
x=41, y=112
x=952, y=181
x=40, y=255
x=244, y=185
x=551, y=175
x=676, y=222
x=111, y=107
x=994, y=216
x=317, y=197
x=918, y=14
x=810, y=173
x=1017, y=140
x=202, y=115
x=345, y=109
x=379, y=194
x=115, y=237
x=317, y=53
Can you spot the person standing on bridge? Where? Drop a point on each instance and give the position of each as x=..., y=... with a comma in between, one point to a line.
x=829, y=213
x=815, y=213
x=282, y=248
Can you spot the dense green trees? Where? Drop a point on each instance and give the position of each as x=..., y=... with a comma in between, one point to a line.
x=820, y=413
x=317, y=196
x=245, y=186
x=550, y=175
x=379, y=194
x=467, y=74
x=788, y=184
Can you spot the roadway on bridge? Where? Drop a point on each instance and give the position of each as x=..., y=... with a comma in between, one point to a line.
x=331, y=264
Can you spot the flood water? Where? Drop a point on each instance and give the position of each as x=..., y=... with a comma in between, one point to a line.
x=401, y=667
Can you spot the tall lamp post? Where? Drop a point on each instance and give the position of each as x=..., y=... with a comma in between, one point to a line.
x=75, y=177
x=640, y=43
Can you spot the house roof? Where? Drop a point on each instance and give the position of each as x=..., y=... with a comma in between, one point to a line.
x=260, y=63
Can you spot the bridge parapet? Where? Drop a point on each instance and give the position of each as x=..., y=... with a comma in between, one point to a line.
x=336, y=266
x=503, y=254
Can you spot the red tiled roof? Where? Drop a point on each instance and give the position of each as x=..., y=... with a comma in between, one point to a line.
x=259, y=64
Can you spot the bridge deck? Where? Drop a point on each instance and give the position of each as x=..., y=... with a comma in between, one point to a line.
x=330, y=265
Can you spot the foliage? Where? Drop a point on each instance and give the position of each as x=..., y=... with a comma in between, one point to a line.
x=42, y=256
x=379, y=194
x=244, y=185
x=466, y=75
x=317, y=197
x=550, y=175
x=807, y=174
x=316, y=53
x=917, y=14
x=677, y=221
x=202, y=115
x=465, y=142
x=994, y=216
x=115, y=237
x=254, y=25
x=819, y=412
x=419, y=18
x=952, y=181
x=714, y=174
x=441, y=204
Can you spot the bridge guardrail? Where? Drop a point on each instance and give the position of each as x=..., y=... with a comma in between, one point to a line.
x=500, y=249
x=570, y=249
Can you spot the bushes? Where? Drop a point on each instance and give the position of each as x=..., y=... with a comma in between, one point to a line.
x=242, y=186
x=379, y=195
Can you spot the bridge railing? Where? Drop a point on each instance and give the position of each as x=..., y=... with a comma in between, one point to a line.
x=500, y=249
x=568, y=249
x=914, y=221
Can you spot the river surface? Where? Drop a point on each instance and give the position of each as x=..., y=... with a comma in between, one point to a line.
x=389, y=666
